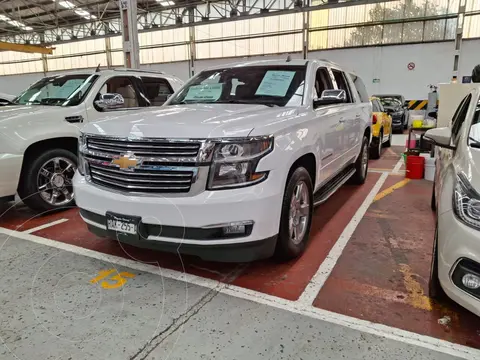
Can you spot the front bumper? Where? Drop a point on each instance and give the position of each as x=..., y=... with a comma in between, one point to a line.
x=10, y=169
x=456, y=241
x=190, y=224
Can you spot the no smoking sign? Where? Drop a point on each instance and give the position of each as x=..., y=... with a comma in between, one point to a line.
x=411, y=66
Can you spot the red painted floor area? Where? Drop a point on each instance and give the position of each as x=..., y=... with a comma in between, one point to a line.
x=388, y=159
x=382, y=275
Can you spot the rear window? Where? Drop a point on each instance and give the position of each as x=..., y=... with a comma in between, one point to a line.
x=360, y=87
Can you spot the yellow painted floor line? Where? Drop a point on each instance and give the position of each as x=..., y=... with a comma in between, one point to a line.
x=391, y=189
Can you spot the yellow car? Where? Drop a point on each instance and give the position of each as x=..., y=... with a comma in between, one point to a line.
x=381, y=129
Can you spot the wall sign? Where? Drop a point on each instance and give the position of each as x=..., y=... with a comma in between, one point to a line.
x=411, y=66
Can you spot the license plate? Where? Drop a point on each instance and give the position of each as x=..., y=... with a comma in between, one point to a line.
x=122, y=224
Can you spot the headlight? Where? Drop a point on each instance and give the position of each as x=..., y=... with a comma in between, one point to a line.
x=82, y=143
x=466, y=202
x=235, y=161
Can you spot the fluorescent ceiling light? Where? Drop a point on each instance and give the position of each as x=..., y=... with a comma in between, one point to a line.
x=80, y=12
x=15, y=23
x=66, y=4
x=166, y=2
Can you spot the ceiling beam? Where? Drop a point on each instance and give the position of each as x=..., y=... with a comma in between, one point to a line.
x=36, y=49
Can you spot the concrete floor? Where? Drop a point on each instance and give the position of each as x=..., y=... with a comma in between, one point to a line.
x=50, y=309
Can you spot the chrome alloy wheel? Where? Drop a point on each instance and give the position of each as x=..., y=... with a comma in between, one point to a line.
x=299, y=213
x=54, y=181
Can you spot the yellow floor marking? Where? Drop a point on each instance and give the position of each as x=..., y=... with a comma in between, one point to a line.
x=113, y=282
x=391, y=189
x=416, y=297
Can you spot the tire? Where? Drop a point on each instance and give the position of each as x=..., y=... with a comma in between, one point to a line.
x=389, y=142
x=376, y=147
x=433, y=203
x=287, y=246
x=43, y=171
x=435, y=290
x=361, y=169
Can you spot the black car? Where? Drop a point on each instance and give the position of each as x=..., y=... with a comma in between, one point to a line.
x=395, y=106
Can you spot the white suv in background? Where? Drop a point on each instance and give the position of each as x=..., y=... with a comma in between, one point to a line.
x=39, y=132
x=456, y=199
x=231, y=167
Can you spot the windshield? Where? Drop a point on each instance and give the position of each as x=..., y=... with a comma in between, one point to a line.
x=60, y=90
x=389, y=101
x=267, y=85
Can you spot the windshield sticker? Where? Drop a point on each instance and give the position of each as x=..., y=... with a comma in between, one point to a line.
x=204, y=92
x=275, y=83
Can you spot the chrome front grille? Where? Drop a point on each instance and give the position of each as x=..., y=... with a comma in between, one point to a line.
x=148, y=166
x=141, y=180
x=144, y=148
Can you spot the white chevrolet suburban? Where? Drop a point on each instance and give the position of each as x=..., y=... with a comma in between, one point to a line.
x=39, y=130
x=230, y=168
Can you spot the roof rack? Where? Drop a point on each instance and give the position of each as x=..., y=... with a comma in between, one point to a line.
x=139, y=70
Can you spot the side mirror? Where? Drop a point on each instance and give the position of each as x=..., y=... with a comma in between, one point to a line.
x=110, y=101
x=440, y=136
x=331, y=97
x=433, y=114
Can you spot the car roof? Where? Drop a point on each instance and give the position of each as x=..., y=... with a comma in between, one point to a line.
x=388, y=95
x=114, y=71
x=277, y=62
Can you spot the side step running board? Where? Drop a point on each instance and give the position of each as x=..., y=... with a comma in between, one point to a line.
x=333, y=185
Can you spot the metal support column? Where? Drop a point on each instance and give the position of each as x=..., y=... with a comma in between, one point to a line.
x=108, y=52
x=191, y=31
x=305, y=33
x=44, y=56
x=458, y=38
x=131, y=49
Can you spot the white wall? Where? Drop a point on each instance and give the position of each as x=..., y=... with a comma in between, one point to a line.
x=434, y=64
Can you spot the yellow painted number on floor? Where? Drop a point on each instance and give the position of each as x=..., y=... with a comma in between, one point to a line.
x=115, y=279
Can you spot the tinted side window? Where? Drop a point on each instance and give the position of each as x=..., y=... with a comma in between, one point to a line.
x=322, y=82
x=460, y=116
x=124, y=86
x=360, y=87
x=342, y=83
x=157, y=90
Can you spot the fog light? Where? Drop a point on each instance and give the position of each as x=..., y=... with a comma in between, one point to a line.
x=471, y=281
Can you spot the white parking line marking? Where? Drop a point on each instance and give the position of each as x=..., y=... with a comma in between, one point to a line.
x=385, y=331
x=44, y=226
x=323, y=272
x=398, y=165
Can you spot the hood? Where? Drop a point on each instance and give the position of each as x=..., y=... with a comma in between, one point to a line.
x=190, y=121
x=21, y=114
x=393, y=108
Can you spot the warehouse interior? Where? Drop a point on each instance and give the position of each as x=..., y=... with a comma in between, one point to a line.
x=106, y=254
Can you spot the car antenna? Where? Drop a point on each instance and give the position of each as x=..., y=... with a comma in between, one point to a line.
x=98, y=68
x=289, y=58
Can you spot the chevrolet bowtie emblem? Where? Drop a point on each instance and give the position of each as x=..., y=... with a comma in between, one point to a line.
x=125, y=162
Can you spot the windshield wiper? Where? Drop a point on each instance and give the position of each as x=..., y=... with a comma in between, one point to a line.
x=245, y=102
